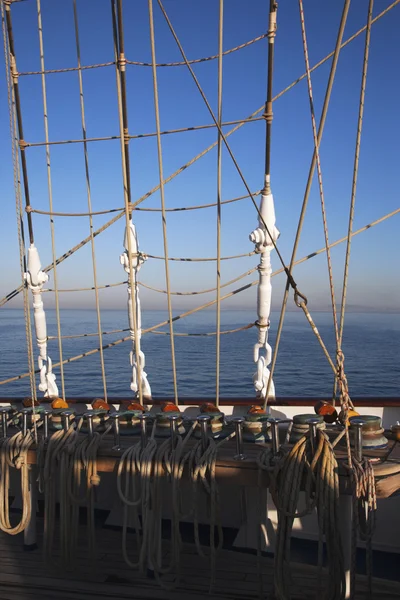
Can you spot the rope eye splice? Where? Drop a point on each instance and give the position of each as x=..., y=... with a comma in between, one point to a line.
x=132, y=260
x=35, y=279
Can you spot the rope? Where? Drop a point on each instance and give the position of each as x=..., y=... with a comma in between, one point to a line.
x=196, y=259
x=219, y=193
x=364, y=516
x=319, y=174
x=212, y=302
x=145, y=64
x=14, y=453
x=145, y=209
x=139, y=136
x=196, y=293
x=223, y=137
x=49, y=468
x=202, y=471
x=192, y=161
x=319, y=469
x=244, y=327
x=162, y=196
x=50, y=193
x=301, y=302
x=89, y=200
x=88, y=289
x=119, y=49
x=355, y=168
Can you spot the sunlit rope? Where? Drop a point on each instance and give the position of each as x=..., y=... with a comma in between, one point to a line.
x=319, y=174
x=355, y=168
x=201, y=334
x=15, y=292
x=139, y=136
x=89, y=200
x=144, y=64
x=162, y=196
x=301, y=303
x=134, y=208
x=50, y=194
x=208, y=304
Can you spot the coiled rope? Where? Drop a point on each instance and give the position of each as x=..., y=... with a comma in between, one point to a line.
x=317, y=471
x=14, y=453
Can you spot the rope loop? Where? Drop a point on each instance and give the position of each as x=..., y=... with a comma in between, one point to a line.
x=303, y=299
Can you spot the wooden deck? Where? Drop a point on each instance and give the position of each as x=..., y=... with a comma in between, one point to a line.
x=24, y=575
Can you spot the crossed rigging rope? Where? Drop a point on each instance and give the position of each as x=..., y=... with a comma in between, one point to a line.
x=124, y=137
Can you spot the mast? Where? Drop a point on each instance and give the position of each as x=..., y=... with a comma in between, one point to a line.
x=34, y=276
x=264, y=241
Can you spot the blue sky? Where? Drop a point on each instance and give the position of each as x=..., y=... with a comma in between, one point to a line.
x=374, y=281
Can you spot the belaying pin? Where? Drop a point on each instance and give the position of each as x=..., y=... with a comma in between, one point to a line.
x=46, y=415
x=66, y=419
x=25, y=412
x=4, y=413
x=203, y=421
x=312, y=423
x=89, y=418
x=238, y=421
x=115, y=419
x=275, y=435
x=357, y=424
x=143, y=418
x=173, y=423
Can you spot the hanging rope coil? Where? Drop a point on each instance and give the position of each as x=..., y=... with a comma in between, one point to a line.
x=14, y=454
x=317, y=473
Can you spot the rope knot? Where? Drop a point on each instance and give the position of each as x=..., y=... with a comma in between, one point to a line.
x=95, y=480
x=23, y=144
x=28, y=209
x=126, y=136
x=122, y=61
x=268, y=114
x=19, y=462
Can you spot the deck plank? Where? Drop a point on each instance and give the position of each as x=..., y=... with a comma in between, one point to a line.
x=25, y=576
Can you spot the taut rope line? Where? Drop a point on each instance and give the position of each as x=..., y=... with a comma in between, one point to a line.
x=258, y=111
x=207, y=304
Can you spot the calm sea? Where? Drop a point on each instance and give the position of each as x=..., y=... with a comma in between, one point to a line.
x=371, y=345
